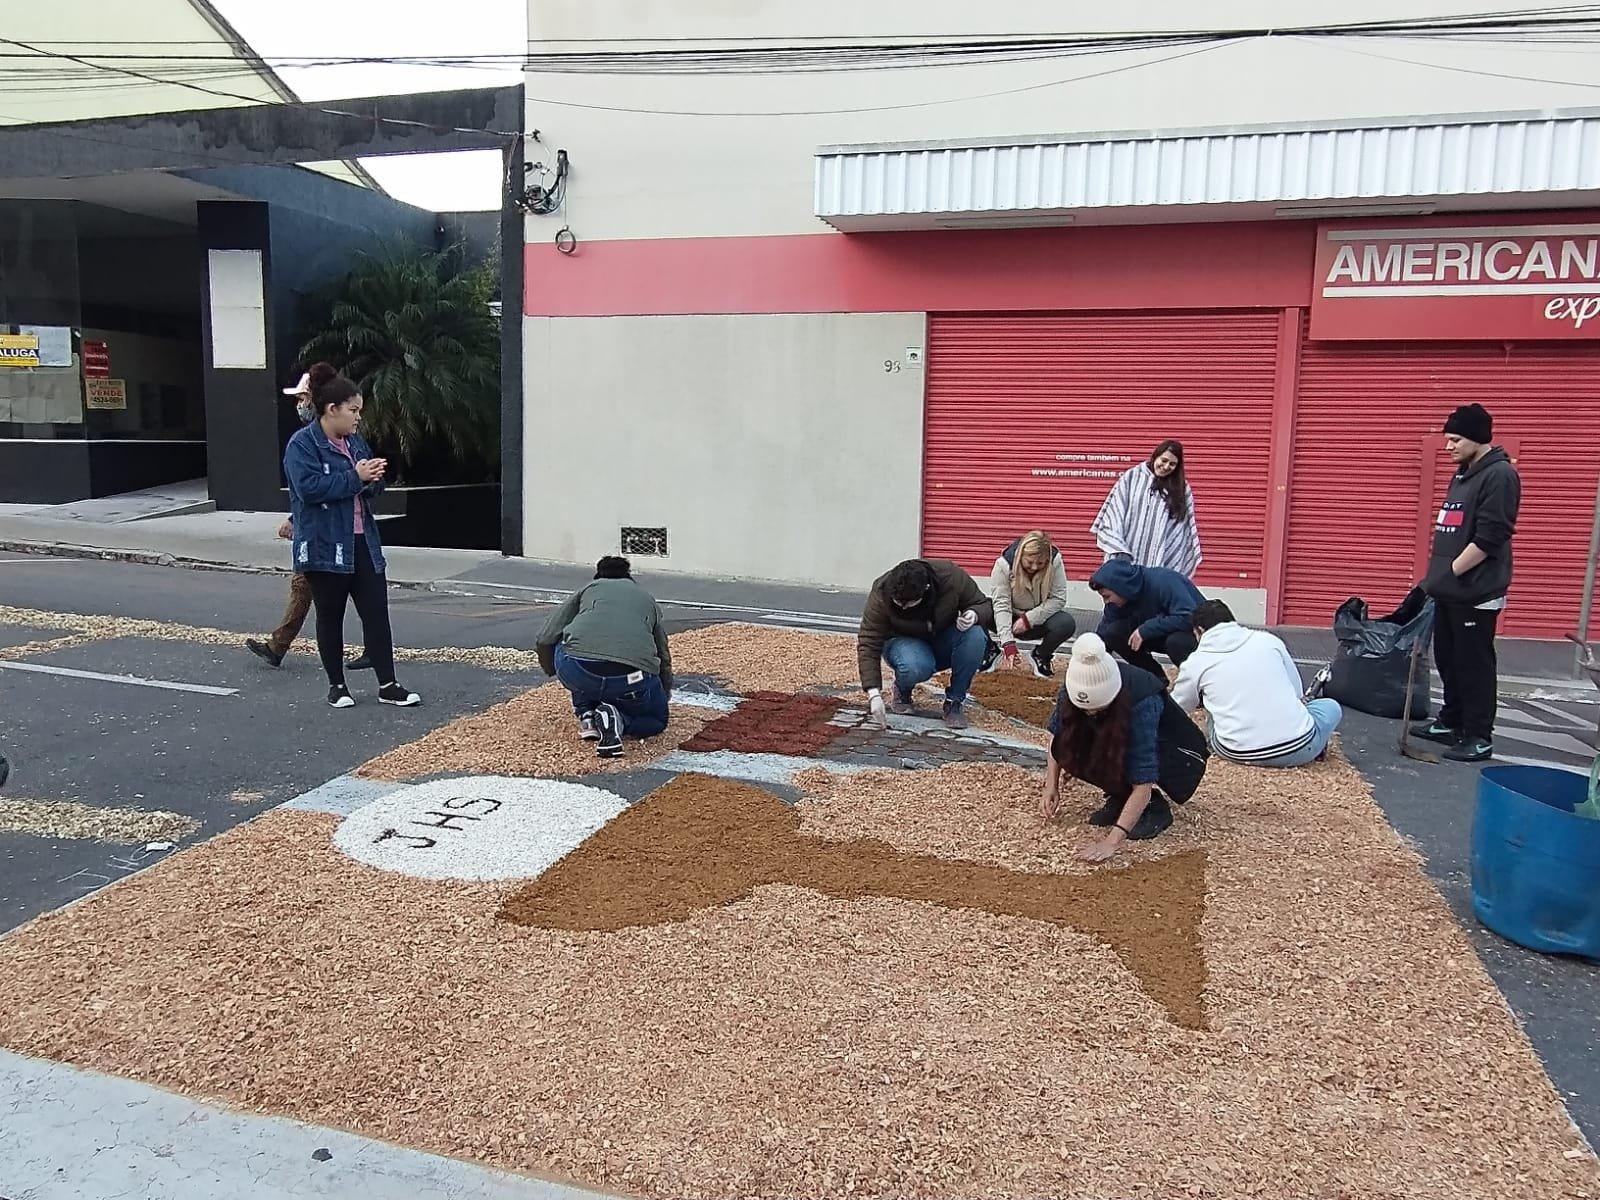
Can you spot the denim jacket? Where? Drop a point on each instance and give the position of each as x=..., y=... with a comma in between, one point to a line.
x=323, y=492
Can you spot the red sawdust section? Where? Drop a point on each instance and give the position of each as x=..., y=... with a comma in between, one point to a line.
x=701, y=842
x=772, y=723
x=1019, y=694
x=533, y=735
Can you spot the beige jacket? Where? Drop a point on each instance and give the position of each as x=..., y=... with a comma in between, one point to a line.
x=1038, y=598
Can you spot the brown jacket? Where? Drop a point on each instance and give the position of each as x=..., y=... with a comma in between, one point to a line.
x=954, y=591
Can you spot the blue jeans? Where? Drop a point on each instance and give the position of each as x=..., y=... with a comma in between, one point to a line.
x=1325, y=714
x=643, y=703
x=916, y=661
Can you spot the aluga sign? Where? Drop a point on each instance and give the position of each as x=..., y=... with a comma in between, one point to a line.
x=1498, y=282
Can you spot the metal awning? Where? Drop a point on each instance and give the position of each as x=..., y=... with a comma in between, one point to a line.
x=1394, y=168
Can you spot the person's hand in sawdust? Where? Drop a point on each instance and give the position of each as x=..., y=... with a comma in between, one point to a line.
x=1100, y=851
x=1012, y=655
x=1050, y=801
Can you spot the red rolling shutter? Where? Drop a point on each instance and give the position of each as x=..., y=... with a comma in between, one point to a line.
x=1366, y=424
x=1030, y=420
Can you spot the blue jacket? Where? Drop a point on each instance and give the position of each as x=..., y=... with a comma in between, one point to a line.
x=1159, y=601
x=323, y=492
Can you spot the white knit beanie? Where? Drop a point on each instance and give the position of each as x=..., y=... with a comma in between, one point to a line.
x=1093, y=679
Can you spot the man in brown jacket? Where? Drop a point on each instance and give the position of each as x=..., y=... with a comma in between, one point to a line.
x=924, y=616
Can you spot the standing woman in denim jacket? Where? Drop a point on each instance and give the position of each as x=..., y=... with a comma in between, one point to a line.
x=332, y=473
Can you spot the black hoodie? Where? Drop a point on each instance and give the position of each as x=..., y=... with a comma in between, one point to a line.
x=1480, y=509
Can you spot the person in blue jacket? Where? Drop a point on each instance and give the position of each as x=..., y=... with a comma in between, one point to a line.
x=1148, y=609
x=332, y=474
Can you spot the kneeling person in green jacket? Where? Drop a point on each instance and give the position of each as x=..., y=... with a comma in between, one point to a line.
x=606, y=645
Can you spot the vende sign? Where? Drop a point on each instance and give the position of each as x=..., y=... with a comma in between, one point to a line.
x=1449, y=283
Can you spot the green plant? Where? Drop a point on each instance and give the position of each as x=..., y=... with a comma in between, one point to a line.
x=412, y=329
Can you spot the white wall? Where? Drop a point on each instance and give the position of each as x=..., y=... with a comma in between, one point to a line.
x=645, y=174
x=771, y=447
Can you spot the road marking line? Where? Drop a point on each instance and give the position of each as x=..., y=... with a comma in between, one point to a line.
x=163, y=684
x=1569, y=718
x=1562, y=743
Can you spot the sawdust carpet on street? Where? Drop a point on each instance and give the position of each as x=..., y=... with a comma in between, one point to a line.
x=701, y=842
x=794, y=1044
x=1019, y=694
x=534, y=734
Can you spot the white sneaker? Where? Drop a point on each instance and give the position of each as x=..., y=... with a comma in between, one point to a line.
x=399, y=696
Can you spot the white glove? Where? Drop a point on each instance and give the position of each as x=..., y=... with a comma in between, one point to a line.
x=875, y=708
x=966, y=621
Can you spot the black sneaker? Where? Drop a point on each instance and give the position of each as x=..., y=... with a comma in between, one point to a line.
x=609, y=721
x=361, y=662
x=1156, y=819
x=1043, y=664
x=1106, y=815
x=339, y=697
x=587, y=729
x=954, y=718
x=1318, y=684
x=398, y=695
x=991, y=657
x=264, y=652
x=1471, y=750
x=1433, y=731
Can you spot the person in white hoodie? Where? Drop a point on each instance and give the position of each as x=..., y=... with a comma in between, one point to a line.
x=1029, y=589
x=1246, y=681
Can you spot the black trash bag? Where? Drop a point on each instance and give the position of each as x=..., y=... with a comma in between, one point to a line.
x=1368, y=673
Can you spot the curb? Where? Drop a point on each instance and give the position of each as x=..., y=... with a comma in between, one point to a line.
x=151, y=558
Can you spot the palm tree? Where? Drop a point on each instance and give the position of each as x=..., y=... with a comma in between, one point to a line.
x=413, y=331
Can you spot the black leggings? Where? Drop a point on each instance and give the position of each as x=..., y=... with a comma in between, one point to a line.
x=370, y=591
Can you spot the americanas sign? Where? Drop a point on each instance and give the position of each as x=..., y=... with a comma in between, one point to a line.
x=1449, y=283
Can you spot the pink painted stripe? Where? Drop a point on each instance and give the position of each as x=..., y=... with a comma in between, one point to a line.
x=1265, y=265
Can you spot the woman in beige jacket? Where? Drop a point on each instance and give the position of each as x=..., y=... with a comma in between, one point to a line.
x=1029, y=588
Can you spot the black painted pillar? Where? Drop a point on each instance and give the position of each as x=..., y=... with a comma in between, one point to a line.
x=513, y=259
x=242, y=403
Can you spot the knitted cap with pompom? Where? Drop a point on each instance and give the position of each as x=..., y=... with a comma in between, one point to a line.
x=1093, y=678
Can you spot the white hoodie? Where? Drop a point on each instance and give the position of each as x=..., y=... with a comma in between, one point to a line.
x=1248, y=683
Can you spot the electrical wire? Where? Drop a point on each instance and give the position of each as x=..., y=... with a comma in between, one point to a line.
x=1577, y=83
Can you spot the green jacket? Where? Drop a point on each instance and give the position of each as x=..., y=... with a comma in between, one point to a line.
x=610, y=620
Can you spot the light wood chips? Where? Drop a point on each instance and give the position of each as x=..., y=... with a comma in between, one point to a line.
x=794, y=1045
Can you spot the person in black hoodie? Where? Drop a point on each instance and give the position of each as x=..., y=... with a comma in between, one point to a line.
x=1468, y=577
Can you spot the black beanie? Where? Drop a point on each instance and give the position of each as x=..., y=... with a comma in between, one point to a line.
x=1473, y=422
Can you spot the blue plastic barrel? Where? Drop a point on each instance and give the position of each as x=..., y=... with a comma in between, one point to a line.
x=1535, y=864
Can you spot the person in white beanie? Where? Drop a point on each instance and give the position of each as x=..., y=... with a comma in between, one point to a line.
x=1116, y=728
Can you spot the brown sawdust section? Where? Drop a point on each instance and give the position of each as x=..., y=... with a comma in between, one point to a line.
x=1020, y=694
x=702, y=842
x=772, y=723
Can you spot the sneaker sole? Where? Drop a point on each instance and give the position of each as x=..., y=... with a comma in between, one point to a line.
x=590, y=737
x=609, y=751
x=408, y=702
x=342, y=702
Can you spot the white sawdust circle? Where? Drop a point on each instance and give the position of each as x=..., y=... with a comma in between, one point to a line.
x=476, y=827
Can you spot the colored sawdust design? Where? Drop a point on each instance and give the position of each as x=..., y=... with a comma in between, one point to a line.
x=773, y=723
x=1019, y=694
x=701, y=842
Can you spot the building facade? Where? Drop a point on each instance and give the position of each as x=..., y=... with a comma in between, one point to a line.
x=918, y=297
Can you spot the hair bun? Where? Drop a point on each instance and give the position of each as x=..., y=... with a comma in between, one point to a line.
x=320, y=373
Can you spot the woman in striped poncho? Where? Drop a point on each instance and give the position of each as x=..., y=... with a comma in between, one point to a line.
x=1149, y=516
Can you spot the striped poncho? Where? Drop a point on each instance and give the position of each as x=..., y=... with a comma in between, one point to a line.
x=1134, y=521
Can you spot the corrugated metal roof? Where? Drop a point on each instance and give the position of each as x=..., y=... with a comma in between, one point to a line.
x=1516, y=155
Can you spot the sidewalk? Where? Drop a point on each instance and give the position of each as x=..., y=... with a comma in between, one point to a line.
x=249, y=542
